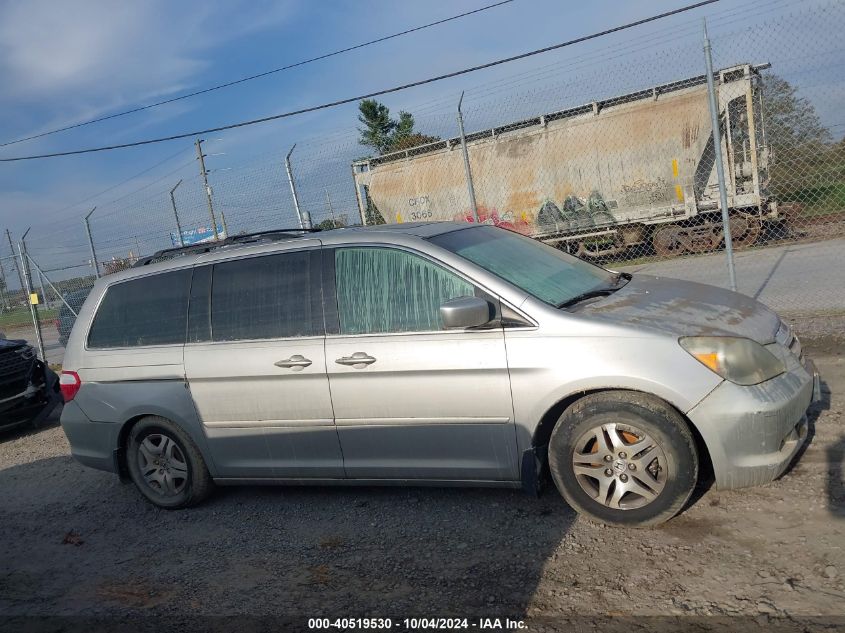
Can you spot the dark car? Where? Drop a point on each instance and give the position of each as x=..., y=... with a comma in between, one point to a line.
x=66, y=319
x=29, y=390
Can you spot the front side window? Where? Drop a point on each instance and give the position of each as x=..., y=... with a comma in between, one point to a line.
x=265, y=297
x=382, y=290
x=544, y=272
x=147, y=311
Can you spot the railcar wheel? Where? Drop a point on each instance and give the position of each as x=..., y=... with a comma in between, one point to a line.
x=668, y=241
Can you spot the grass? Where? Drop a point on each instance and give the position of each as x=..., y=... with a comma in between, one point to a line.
x=819, y=200
x=22, y=316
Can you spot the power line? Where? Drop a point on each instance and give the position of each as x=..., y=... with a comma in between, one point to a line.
x=130, y=179
x=67, y=221
x=437, y=107
x=251, y=77
x=365, y=96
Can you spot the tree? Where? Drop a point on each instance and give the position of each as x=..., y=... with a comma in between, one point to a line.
x=412, y=140
x=330, y=223
x=791, y=121
x=403, y=130
x=371, y=214
x=378, y=126
x=116, y=265
x=804, y=166
x=385, y=134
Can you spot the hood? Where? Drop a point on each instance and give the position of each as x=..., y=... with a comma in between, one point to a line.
x=7, y=344
x=685, y=308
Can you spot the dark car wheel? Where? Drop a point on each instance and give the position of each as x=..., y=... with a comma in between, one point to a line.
x=166, y=465
x=623, y=458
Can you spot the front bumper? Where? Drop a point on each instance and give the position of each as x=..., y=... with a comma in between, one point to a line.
x=753, y=433
x=32, y=405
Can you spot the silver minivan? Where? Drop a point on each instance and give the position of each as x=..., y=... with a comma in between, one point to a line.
x=429, y=354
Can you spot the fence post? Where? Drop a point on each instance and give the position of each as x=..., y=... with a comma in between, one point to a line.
x=467, y=168
x=720, y=168
x=176, y=213
x=91, y=243
x=33, y=309
x=14, y=259
x=3, y=285
x=43, y=291
x=32, y=262
x=304, y=216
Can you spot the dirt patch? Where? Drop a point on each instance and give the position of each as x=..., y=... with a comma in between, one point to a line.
x=135, y=595
x=824, y=333
x=775, y=551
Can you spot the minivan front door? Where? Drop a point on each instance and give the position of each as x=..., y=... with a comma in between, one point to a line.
x=256, y=368
x=412, y=401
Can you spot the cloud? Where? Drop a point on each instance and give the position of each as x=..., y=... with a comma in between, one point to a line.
x=81, y=59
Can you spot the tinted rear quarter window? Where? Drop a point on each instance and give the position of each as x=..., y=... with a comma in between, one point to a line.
x=147, y=311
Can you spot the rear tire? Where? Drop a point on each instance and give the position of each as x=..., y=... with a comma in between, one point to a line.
x=166, y=465
x=623, y=458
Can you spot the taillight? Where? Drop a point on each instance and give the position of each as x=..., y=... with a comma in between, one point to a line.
x=69, y=383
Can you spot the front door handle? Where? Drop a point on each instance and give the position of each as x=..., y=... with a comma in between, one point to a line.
x=296, y=362
x=358, y=360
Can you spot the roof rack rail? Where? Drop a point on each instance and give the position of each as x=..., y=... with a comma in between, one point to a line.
x=207, y=247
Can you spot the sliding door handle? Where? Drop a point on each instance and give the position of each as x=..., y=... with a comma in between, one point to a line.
x=358, y=360
x=296, y=362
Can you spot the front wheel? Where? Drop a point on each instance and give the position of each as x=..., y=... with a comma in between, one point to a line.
x=623, y=458
x=166, y=465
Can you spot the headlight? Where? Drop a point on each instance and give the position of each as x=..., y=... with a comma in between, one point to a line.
x=739, y=360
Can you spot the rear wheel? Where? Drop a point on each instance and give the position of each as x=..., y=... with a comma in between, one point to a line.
x=166, y=465
x=623, y=458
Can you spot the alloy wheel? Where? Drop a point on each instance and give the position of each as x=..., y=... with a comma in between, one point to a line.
x=619, y=466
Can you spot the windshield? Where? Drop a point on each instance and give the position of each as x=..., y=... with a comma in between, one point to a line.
x=544, y=272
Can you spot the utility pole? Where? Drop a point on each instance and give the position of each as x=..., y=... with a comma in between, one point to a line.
x=331, y=210
x=303, y=216
x=17, y=265
x=204, y=174
x=91, y=243
x=720, y=168
x=467, y=168
x=176, y=213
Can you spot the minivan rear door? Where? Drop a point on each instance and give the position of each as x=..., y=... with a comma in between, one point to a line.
x=256, y=368
x=411, y=400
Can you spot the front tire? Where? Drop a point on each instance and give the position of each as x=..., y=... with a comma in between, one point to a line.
x=623, y=458
x=165, y=464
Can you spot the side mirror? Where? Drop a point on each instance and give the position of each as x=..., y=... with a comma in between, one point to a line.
x=465, y=312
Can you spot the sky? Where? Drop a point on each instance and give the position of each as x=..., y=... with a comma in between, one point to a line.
x=66, y=62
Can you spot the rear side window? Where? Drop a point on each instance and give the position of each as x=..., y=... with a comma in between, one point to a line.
x=147, y=311
x=272, y=296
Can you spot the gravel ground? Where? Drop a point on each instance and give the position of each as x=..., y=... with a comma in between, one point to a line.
x=78, y=543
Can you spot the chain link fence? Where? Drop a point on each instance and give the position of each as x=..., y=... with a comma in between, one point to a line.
x=607, y=152
x=622, y=170
x=15, y=316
